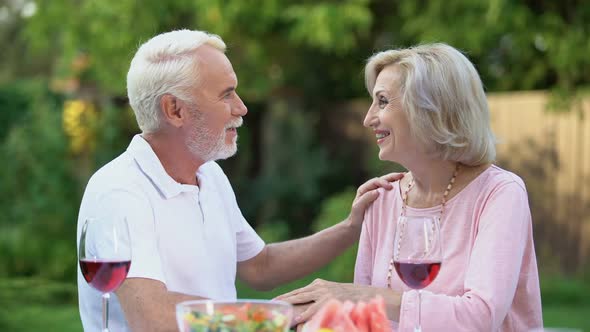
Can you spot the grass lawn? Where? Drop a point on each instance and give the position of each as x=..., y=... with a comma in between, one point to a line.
x=26, y=318
x=37, y=305
x=566, y=302
x=564, y=316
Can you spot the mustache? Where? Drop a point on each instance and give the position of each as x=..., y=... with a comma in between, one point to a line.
x=235, y=123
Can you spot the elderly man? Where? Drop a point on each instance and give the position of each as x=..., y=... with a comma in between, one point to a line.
x=188, y=236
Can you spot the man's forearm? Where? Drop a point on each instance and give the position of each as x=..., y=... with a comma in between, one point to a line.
x=286, y=261
x=148, y=306
x=294, y=259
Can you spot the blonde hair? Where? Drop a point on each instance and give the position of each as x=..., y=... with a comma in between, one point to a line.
x=165, y=64
x=443, y=97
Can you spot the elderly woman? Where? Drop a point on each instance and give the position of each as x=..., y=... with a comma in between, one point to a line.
x=430, y=114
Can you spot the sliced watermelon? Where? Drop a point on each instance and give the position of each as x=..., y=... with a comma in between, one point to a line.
x=343, y=322
x=360, y=318
x=324, y=317
x=347, y=307
x=349, y=317
x=377, y=316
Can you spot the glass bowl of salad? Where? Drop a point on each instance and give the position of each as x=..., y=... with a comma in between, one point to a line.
x=234, y=316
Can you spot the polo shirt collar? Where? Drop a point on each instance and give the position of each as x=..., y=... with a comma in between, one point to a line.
x=148, y=162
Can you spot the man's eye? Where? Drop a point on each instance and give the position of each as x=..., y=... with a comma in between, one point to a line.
x=228, y=95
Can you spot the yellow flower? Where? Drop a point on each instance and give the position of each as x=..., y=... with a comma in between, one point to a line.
x=79, y=118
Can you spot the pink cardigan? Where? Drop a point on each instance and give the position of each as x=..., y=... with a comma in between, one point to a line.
x=488, y=279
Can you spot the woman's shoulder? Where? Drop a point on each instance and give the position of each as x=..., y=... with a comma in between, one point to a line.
x=496, y=176
x=492, y=180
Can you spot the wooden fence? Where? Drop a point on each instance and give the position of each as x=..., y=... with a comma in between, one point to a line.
x=550, y=149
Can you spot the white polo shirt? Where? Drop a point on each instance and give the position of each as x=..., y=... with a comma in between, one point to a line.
x=188, y=237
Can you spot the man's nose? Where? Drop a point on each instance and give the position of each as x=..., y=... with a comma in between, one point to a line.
x=240, y=108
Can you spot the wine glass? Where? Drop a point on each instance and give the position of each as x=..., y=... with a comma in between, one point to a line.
x=105, y=257
x=417, y=253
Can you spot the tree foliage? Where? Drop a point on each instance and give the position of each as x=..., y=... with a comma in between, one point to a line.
x=517, y=45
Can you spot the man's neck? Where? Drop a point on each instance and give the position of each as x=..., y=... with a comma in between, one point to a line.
x=176, y=159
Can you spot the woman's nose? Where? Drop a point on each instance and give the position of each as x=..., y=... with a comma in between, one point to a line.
x=370, y=118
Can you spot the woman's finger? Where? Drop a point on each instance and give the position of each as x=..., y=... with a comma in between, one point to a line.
x=302, y=298
x=299, y=309
x=295, y=292
x=307, y=314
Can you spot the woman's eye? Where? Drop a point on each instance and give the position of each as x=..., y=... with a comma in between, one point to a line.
x=382, y=102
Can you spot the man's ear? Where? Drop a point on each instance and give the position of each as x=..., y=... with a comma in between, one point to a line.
x=171, y=110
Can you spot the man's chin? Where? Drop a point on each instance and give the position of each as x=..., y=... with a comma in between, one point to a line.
x=222, y=155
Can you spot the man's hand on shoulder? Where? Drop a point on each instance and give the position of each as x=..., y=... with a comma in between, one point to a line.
x=367, y=193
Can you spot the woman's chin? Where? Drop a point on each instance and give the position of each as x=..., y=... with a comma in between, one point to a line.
x=383, y=155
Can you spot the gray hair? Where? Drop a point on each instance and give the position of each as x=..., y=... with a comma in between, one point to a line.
x=163, y=65
x=442, y=94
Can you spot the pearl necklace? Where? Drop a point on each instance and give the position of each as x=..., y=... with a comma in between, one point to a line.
x=403, y=214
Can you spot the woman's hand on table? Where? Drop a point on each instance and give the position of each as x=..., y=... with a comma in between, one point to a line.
x=309, y=299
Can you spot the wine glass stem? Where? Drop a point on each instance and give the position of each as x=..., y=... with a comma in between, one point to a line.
x=419, y=327
x=105, y=312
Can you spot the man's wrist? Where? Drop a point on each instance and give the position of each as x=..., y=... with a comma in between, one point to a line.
x=353, y=229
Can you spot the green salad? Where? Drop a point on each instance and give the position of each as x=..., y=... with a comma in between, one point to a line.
x=245, y=318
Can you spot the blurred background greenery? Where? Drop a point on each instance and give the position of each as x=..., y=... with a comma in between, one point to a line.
x=64, y=113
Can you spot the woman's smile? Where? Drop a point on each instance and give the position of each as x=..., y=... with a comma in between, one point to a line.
x=381, y=135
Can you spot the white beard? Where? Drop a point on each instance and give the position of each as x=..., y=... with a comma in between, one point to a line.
x=204, y=144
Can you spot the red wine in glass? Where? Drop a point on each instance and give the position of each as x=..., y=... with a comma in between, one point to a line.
x=104, y=275
x=417, y=253
x=417, y=275
x=105, y=257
